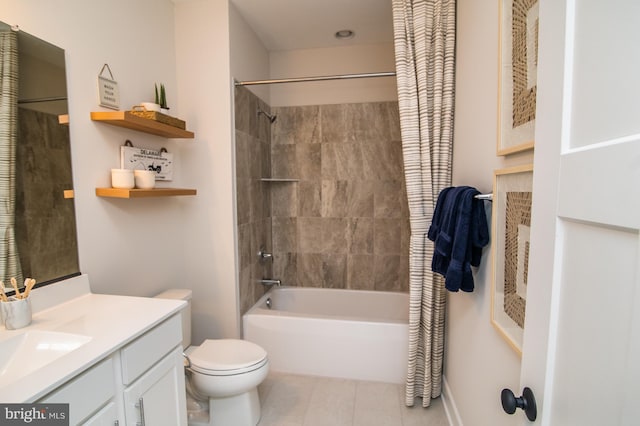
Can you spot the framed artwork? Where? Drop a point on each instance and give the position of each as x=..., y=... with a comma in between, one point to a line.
x=511, y=228
x=517, y=83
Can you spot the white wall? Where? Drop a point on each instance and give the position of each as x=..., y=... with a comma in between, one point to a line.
x=204, y=82
x=249, y=57
x=333, y=61
x=126, y=247
x=478, y=362
x=140, y=247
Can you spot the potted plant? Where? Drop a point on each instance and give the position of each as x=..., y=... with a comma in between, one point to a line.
x=162, y=99
x=152, y=106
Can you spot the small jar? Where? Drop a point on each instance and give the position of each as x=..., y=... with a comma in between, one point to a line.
x=122, y=178
x=145, y=179
x=16, y=313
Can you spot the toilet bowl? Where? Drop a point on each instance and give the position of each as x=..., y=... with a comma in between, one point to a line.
x=226, y=372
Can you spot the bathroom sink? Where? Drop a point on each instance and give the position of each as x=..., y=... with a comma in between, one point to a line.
x=29, y=351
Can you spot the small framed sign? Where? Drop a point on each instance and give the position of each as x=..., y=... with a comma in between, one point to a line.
x=160, y=162
x=108, y=90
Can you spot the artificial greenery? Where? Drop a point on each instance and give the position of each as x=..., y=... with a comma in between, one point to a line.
x=161, y=97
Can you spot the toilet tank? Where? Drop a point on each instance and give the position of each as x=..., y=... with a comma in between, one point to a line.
x=181, y=294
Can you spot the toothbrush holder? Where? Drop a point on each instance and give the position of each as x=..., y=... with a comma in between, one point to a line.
x=16, y=313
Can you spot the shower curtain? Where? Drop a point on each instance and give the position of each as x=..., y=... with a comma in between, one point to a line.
x=9, y=259
x=424, y=37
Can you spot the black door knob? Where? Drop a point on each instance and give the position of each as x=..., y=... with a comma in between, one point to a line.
x=527, y=402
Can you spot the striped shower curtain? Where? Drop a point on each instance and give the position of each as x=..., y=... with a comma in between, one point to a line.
x=9, y=260
x=424, y=37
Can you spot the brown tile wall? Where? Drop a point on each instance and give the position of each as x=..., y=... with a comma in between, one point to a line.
x=45, y=221
x=253, y=161
x=345, y=223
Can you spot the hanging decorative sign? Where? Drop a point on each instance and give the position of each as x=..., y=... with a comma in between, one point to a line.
x=160, y=161
x=108, y=90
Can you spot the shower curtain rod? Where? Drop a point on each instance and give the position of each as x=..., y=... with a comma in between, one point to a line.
x=36, y=100
x=319, y=78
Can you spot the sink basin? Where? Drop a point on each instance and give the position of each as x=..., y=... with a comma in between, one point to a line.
x=29, y=351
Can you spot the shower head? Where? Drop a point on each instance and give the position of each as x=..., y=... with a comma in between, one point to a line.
x=271, y=118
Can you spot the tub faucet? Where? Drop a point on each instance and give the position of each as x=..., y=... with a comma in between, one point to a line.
x=263, y=255
x=269, y=282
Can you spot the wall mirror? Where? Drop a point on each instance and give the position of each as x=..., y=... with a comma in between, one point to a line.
x=37, y=214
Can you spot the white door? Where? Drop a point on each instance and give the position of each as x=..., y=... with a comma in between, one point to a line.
x=581, y=351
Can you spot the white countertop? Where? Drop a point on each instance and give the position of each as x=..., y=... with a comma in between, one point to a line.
x=110, y=321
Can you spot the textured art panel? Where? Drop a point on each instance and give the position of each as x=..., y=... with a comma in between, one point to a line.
x=518, y=75
x=511, y=228
x=518, y=222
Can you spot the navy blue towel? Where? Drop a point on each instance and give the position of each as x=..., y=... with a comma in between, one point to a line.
x=459, y=230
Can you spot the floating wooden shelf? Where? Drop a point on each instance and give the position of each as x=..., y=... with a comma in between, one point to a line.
x=130, y=121
x=143, y=193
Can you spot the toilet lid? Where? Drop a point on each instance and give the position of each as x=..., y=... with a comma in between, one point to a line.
x=226, y=355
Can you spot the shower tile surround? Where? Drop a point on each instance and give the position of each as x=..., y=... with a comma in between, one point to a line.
x=253, y=198
x=45, y=222
x=345, y=223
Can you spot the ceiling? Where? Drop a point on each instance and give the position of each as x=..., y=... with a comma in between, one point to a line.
x=306, y=24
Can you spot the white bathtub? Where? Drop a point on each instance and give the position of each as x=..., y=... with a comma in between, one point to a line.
x=350, y=334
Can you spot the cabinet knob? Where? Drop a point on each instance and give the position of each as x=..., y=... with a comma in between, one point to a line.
x=527, y=402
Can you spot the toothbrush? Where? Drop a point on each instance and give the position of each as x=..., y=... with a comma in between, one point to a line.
x=14, y=284
x=30, y=283
x=3, y=296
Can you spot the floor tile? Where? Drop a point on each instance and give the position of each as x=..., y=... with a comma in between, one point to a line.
x=377, y=404
x=418, y=416
x=287, y=400
x=292, y=400
x=332, y=403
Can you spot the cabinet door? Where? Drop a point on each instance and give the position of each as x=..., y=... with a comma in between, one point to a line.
x=108, y=416
x=158, y=398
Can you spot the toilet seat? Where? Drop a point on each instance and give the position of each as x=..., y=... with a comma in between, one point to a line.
x=227, y=357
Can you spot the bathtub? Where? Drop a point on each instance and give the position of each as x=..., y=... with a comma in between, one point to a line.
x=351, y=334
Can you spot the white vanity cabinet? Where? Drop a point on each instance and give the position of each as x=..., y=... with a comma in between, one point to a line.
x=107, y=416
x=140, y=384
x=88, y=393
x=155, y=396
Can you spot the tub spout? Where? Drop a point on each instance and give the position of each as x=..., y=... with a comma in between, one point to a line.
x=269, y=282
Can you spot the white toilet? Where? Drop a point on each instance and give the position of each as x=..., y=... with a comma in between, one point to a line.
x=227, y=372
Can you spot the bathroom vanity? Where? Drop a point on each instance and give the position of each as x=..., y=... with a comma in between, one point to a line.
x=116, y=360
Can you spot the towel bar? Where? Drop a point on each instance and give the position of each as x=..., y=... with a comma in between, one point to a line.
x=488, y=197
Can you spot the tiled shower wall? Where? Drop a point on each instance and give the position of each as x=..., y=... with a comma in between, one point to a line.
x=345, y=223
x=253, y=161
x=45, y=221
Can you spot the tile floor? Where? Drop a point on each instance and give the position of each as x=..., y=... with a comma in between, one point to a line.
x=291, y=400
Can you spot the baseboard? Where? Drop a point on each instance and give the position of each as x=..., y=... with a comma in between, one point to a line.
x=450, y=408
